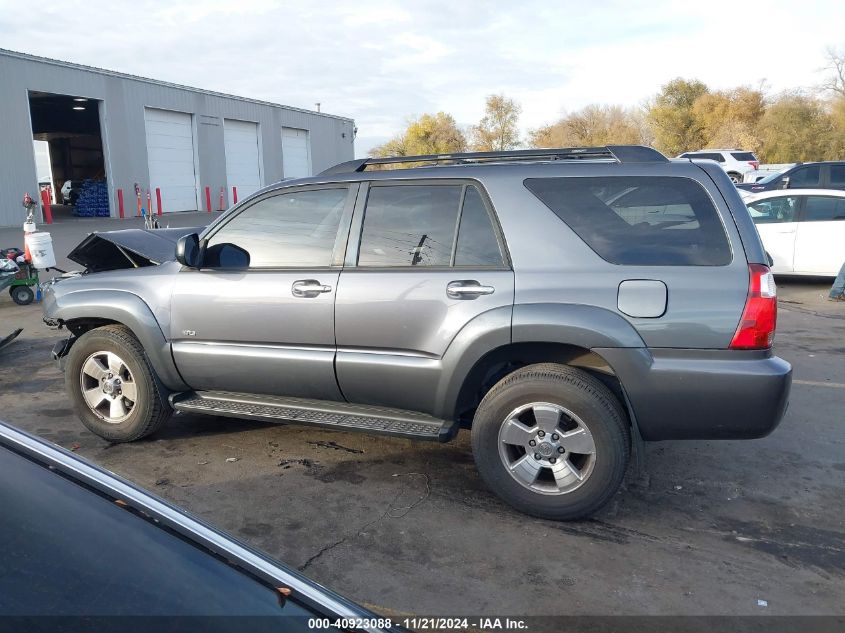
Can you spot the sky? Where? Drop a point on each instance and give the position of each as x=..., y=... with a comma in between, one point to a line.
x=383, y=62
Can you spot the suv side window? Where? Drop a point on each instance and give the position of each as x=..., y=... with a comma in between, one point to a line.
x=639, y=220
x=706, y=155
x=288, y=230
x=774, y=210
x=837, y=176
x=409, y=225
x=805, y=177
x=823, y=209
x=477, y=243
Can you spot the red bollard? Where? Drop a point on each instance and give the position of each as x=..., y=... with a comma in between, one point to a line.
x=120, y=202
x=234, y=195
x=208, y=199
x=158, y=200
x=48, y=212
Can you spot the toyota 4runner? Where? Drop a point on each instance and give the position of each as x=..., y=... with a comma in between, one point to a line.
x=563, y=305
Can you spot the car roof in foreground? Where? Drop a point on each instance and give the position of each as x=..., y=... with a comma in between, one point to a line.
x=30, y=462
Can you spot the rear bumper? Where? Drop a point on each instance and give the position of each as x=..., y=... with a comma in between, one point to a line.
x=703, y=394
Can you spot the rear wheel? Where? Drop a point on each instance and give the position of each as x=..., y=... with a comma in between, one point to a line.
x=735, y=177
x=551, y=441
x=112, y=385
x=22, y=295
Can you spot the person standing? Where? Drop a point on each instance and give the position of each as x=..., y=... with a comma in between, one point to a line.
x=837, y=291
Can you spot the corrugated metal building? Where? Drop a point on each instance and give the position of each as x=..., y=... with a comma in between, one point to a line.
x=108, y=131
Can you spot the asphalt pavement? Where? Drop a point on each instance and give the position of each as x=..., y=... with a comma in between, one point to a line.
x=721, y=527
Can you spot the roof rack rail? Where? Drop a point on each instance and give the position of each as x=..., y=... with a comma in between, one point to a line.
x=619, y=153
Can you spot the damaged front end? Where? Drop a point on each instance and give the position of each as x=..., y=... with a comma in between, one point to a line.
x=101, y=253
x=128, y=248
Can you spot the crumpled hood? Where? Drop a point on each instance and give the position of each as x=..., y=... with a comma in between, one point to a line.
x=128, y=248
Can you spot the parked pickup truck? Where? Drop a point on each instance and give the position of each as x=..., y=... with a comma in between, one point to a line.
x=560, y=304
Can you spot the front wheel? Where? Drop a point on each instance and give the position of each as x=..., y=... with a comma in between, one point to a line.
x=551, y=441
x=112, y=385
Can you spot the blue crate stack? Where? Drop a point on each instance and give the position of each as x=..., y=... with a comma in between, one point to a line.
x=93, y=200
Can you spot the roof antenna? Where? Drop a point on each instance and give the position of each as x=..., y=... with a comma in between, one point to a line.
x=318, y=106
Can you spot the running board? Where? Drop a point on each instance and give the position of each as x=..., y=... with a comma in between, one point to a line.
x=335, y=415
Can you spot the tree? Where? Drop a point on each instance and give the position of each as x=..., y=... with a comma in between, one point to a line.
x=429, y=134
x=797, y=127
x=835, y=82
x=593, y=125
x=673, y=123
x=498, y=130
x=730, y=118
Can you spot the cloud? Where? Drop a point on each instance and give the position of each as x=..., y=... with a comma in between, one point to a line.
x=381, y=61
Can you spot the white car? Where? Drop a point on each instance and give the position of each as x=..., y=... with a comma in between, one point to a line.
x=736, y=162
x=802, y=230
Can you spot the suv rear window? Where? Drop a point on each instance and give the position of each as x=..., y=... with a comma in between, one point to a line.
x=639, y=220
x=748, y=156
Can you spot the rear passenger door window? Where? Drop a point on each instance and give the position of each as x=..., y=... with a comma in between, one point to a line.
x=805, y=177
x=837, y=176
x=411, y=225
x=823, y=209
x=426, y=226
x=639, y=220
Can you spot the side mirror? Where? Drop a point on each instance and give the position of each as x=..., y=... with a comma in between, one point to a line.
x=188, y=250
x=784, y=184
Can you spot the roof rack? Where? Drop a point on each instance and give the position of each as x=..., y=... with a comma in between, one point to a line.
x=619, y=153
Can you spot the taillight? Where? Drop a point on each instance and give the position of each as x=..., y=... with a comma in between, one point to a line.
x=754, y=164
x=756, y=328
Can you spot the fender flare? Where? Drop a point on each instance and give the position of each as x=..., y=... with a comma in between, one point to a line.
x=579, y=325
x=573, y=324
x=129, y=310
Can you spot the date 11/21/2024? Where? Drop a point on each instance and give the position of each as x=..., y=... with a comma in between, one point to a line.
x=421, y=623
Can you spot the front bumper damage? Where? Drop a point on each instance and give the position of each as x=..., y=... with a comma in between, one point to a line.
x=60, y=351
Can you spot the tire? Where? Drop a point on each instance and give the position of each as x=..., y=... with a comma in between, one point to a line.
x=22, y=295
x=735, y=178
x=575, y=412
x=91, y=362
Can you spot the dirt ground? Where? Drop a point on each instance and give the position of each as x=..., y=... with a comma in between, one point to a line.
x=710, y=528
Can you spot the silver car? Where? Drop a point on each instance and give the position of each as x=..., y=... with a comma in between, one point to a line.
x=562, y=305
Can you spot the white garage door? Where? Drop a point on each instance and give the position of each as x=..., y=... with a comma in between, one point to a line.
x=242, y=163
x=296, y=153
x=170, y=151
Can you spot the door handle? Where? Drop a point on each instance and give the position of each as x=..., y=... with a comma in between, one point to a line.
x=467, y=289
x=308, y=288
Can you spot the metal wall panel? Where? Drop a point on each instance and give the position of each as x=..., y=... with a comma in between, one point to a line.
x=123, y=100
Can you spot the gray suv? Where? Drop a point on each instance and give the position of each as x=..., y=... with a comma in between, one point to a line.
x=562, y=305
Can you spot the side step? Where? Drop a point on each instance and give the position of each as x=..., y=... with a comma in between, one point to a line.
x=338, y=415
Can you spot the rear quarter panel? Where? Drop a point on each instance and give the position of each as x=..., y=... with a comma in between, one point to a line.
x=553, y=265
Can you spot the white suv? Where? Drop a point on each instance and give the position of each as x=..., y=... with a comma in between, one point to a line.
x=735, y=162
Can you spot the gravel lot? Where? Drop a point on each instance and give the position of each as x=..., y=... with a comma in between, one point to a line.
x=711, y=528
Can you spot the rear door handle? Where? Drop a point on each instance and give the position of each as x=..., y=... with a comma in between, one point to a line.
x=467, y=289
x=308, y=288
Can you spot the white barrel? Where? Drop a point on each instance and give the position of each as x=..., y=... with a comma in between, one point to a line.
x=41, y=249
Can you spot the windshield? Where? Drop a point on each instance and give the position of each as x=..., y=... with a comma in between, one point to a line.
x=771, y=177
